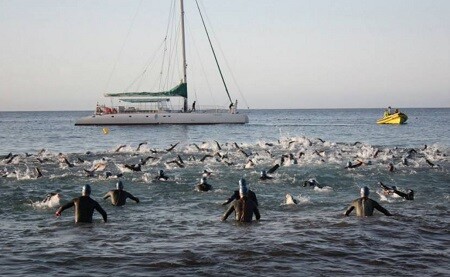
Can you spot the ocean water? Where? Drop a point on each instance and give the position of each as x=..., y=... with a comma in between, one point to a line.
x=176, y=230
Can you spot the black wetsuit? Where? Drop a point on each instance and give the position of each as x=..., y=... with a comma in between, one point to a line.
x=364, y=206
x=251, y=195
x=204, y=187
x=84, y=209
x=119, y=197
x=407, y=196
x=244, y=209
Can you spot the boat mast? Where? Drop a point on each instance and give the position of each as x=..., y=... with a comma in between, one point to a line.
x=183, y=42
x=214, y=53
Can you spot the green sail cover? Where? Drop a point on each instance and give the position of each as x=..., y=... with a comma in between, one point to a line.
x=180, y=90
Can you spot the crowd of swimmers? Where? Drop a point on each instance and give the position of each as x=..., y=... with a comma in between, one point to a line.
x=244, y=202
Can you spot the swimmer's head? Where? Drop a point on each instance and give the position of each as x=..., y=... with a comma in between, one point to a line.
x=349, y=164
x=119, y=185
x=202, y=180
x=263, y=173
x=161, y=172
x=243, y=191
x=394, y=188
x=86, y=190
x=365, y=192
x=242, y=183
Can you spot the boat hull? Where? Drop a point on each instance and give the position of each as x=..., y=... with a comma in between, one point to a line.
x=396, y=118
x=162, y=118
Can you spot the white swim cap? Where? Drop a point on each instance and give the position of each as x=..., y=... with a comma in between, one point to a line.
x=364, y=192
x=119, y=185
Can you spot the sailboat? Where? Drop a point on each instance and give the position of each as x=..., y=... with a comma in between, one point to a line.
x=156, y=108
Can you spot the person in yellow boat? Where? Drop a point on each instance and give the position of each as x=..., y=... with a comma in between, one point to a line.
x=386, y=113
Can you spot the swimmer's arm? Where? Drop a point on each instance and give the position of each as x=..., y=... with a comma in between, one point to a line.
x=399, y=193
x=107, y=195
x=257, y=215
x=381, y=209
x=64, y=207
x=349, y=210
x=133, y=198
x=233, y=197
x=102, y=212
x=256, y=199
x=227, y=214
x=227, y=202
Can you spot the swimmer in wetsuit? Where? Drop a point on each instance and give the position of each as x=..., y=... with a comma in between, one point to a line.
x=203, y=186
x=244, y=207
x=161, y=176
x=250, y=194
x=350, y=165
x=264, y=176
x=409, y=195
x=364, y=206
x=84, y=207
x=119, y=196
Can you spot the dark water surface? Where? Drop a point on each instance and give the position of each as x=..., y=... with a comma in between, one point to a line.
x=176, y=230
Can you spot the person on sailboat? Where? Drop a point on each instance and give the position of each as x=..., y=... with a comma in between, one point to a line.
x=193, y=107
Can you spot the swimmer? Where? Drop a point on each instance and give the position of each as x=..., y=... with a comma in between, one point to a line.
x=161, y=176
x=364, y=206
x=108, y=174
x=133, y=167
x=120, y=148
x=38, y=172
x=290, y=200
x=312, y=183
x=144, y=161
x=350, y=165
x=243, y=207
x=203, y=186
x=172, y=146
x=264, y=176
x=391, y=167
x=119, y=196
x=51, y=200
x=409, y=195
x=249, y=164
x=84, y=207
x=206, y=173
x=139, y=146
x=250, y=193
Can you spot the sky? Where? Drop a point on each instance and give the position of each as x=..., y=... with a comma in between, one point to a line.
x=64, y=54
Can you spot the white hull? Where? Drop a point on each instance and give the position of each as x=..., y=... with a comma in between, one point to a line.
x=162, y=118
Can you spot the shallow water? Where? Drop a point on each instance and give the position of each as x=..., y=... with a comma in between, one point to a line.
x=176, y=230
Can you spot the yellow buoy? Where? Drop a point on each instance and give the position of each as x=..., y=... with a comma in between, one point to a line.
x=105, y=131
